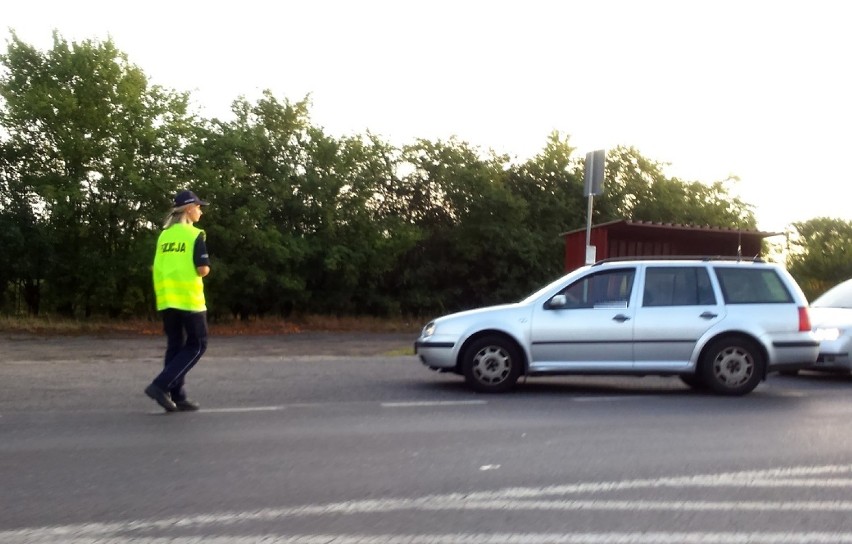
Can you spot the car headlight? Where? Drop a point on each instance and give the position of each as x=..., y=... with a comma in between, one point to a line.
x=828, y=334
x=429, y=329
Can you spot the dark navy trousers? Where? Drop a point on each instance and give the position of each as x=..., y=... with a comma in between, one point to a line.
x=186, y=336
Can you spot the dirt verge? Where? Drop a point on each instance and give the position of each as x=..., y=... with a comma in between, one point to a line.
x=29, y=347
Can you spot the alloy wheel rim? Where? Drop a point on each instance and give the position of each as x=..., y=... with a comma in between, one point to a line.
x=491, y=365
x=733, y=366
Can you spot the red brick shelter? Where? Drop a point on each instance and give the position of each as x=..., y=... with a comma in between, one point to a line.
x=628, y=238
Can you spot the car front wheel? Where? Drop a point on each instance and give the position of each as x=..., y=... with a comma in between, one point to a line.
x=491, y=365
x=732, y=366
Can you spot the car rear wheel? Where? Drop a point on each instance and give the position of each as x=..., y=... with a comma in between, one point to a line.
x=491, y=364
x=732, y=366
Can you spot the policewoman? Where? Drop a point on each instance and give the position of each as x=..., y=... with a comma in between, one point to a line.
x=180, y=263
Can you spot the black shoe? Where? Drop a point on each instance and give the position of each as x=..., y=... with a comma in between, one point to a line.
x=162, y=397
x=187, y=405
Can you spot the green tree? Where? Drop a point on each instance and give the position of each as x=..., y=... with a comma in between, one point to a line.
x=637, y=188
x=301, y=221
x=820, y=254
x=471, y=251
x=551, y=187
x=371, y=234
x=257, y=223
x=21, y=241
x=95, y=149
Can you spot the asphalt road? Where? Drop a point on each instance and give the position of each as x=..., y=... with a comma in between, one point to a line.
x=340, y=439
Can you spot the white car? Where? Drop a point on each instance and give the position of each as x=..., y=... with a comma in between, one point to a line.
x=831, y=317
x=716, y=323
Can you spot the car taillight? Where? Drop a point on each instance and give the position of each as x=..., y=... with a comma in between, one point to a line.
x=804, y=319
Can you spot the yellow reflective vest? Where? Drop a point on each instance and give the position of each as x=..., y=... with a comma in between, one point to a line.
x=176, y=281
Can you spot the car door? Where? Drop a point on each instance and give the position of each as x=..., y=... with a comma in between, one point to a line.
x=590, y=327
x=678, y=306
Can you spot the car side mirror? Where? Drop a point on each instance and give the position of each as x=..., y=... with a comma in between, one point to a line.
x=557, y=302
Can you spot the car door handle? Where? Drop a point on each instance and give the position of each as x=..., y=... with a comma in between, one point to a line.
x=621, y=318
x=708, y=315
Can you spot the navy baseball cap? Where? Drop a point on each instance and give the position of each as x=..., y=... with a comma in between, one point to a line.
x=188, y=197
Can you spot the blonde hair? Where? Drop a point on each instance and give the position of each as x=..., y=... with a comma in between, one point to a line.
x=177, y=215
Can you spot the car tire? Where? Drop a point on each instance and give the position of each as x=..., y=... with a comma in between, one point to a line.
x=491, y=364
x=732, y=366
x=694, y=381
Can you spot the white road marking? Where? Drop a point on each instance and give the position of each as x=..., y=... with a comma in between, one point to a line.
x=250, y=409
x=241, y=410
x=648, y=506
x=614, y=398
x=790, y=393
x=500, y=538
x=418, y=404
x=276, y=408
x=538, y=498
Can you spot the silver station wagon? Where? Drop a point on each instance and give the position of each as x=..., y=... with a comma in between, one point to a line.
x=718, y=324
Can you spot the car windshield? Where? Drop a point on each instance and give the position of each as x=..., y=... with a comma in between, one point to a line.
x=839, y=296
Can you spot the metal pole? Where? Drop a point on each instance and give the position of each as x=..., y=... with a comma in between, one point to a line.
x=589, y=223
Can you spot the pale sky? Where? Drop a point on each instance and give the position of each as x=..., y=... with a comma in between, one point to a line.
x=755, y=89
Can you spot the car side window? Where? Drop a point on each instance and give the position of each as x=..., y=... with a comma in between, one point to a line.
x=609, y=288
x=677, y=286
x=752, y=286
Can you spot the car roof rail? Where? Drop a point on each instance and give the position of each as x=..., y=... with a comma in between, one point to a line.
x=706, y=258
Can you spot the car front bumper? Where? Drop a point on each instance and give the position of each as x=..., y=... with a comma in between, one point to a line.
x=437, y=354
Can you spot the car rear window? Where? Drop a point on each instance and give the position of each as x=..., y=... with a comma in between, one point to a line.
x=742, y=285
x=677, y=286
